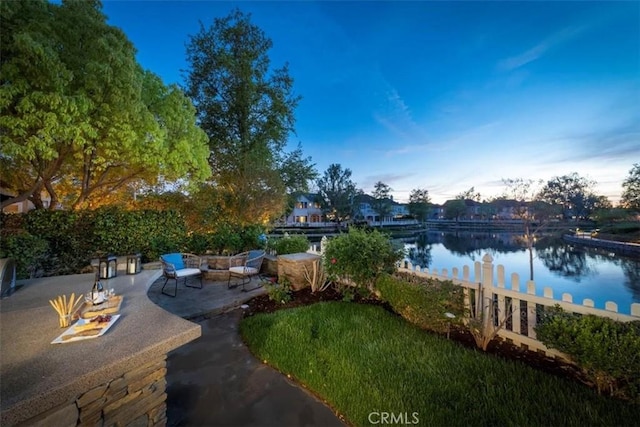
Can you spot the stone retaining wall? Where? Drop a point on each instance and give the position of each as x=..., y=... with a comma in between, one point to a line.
x=293, y=267
x=218, y=267
x=270, y=265
x=136, y=398
x=216, y=275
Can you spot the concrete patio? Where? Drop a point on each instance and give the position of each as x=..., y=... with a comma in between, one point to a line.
x=216, y=381
x=194, y=304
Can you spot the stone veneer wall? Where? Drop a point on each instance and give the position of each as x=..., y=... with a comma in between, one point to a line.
x=137, y=398
x=270, y=265
x=218, y=267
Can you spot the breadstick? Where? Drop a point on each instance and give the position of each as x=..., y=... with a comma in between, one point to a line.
x=54, y=306
x=57, y=306
x=73, y=296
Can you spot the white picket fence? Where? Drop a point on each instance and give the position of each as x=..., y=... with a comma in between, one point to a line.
x=521, y=306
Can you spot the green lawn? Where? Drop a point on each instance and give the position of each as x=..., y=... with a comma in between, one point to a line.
x=362, y=359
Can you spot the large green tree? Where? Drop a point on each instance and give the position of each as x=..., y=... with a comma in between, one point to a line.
x=246, y=107
x=454, y=209
x=337, y=191
x=419, y=203
x=631, y=189
x=573, y=192
x=79, y=117
x=382, y=200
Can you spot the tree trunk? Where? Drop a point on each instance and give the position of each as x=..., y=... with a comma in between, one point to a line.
x=52, y=194
x=36, y=199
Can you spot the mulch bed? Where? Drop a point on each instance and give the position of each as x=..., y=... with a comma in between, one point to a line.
x=497, y=348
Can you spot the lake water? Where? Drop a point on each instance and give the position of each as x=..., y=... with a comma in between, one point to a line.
x=582, y=272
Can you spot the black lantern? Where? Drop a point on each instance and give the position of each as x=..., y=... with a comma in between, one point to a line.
x=108, y=267
x=134, y=265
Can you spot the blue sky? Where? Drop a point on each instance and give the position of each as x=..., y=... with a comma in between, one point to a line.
x=438, y=95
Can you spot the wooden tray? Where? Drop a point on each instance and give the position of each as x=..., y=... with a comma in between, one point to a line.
x=89, y=311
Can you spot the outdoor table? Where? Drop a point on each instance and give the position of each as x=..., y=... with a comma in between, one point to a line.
x=115, y=377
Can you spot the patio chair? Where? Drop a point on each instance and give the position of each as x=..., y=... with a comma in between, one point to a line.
x=178, y=265
x=245, y=266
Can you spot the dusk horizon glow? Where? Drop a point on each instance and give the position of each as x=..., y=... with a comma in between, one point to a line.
x=438, y=95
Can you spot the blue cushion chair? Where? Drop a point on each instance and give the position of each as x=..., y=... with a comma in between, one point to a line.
x=178, y=265
x=245, y=266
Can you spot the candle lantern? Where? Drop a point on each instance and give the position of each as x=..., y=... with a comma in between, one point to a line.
x=134, y=264
x=108, y=267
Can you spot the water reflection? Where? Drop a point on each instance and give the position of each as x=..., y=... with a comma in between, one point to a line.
x=583, y=272
x=631, y=268
x=565, y=260
x=420, y=254
x=477, y=244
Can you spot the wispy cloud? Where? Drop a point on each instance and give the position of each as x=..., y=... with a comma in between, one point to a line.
x=620, y=144
x=412, y=148
x=536, y=52
x=390, y=179
x=395, y=115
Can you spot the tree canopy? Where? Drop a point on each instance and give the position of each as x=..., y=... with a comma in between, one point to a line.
x=419, y=203
x=337, y=192
x=470, y=194
x=453, y=209
x=631, y=189
x=382, y=199
x=573, y=192
x=79, y=117
x=246, y=108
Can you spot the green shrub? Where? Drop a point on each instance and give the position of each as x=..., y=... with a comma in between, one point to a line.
x=153, y=229
x=360, y=257
x=226, y=240
x=606, y=350
x=250, y=237
x=422, y=301
x=75, y=237
x=159, y=245
x=69, y=243
x=198, y=243
x=289, y=244
x=11, y=221
x=120, y=232
x=28, y=251
x=279, y=292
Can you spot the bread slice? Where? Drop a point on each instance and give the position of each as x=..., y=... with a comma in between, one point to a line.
x=88, y=326
x=83, y=333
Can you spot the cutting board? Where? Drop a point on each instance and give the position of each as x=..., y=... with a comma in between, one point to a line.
x=89, y=311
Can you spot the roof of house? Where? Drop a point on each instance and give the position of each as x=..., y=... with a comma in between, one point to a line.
x=366, y=198
x=311, y=196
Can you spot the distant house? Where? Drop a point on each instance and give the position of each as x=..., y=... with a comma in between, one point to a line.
x=24, y=206
x=306, y=210
x=474, y=209
x=365, y=210
x=470, y=210
x=436, y=212
x=506, y=208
